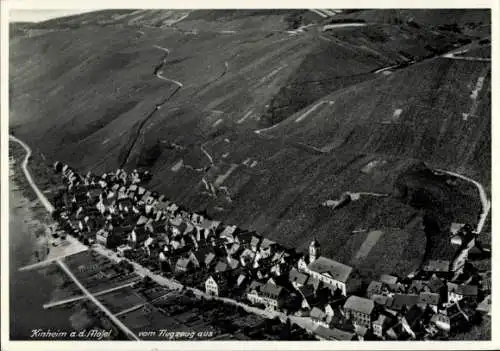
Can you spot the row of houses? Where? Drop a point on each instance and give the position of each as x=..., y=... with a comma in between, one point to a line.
x=117, y=211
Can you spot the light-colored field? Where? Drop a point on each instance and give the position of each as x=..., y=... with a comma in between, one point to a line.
x=370, y=241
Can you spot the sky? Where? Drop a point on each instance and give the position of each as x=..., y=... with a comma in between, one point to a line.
x=41, y=15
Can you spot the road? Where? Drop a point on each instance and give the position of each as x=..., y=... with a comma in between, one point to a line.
x=45, y=202
x=486, y=204
x=452, y=54
x=108, y=313
x=380, y=70
x=312, y=109
x=305, y=323
x=342, y=25
x=259, y=131
x=158, y=74
x=466, y=58
x=143, y=272
x=210, y=158
x=81, y=297
x=319, y=13
x=159, y=71
x=140, y=270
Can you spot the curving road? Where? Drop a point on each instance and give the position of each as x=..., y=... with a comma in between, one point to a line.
x=45, y=202
x=486, y=204
x=50, y=208
x=158, y=74
x=142, y=271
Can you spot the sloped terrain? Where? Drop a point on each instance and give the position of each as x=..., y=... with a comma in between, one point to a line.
x=285, y=120
x=428, y=105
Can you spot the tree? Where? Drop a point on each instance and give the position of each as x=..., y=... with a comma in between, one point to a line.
x=147, y=281
x=286, y=331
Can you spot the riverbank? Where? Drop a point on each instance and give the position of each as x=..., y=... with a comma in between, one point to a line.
x=29, y=290
x=28, y=244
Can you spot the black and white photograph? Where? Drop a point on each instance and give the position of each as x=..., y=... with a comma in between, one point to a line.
x=258, y=174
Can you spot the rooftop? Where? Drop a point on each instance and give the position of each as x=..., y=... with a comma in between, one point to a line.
x=336, y=269
x=359, y=304
x=297, y=277
x=272, y=290
x=388, y=279
x=333, y=334
x=400, y=300
x=317, y=313
x=266, y=243
x=437, y=266
x=373, y=288
x=429, y=298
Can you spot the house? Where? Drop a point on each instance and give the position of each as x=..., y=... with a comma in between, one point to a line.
x=200, y=256
x=318, y=317
x=429, y=299
x=254, y=292
x=455, y=228
x=148, y=244
x=314, y=250
x=132, y=238
x=232, y=262
x=417, y=286
x=374, y=288
x=273, y=296
x=297, y=278
x=307, y=294
x=330, y=309
x=435, y=285
x=441, y=321
x=210, y=259
x=400, y=301
x=388, y=279
x=397, y=332
x=459, y=260
x=334, y=274
x=437, y=266
x=359, y=310
x=183, y=264
x=221, y=266
x=227, y=233
x=412, y=321
x=381, y=324
x=324, y=333
x=458, y=292
x=243, y=238
x=241, y=281
x=485, y=306
x=458, y=319
x=216, y=285
x=247, y=257
x=255, y=243
x=122, y=249
x=382, y=300
x=102, y=237
x=361, y=331
x=486, y=282
x=267, y=247
x=302, y=264
x=315, y=283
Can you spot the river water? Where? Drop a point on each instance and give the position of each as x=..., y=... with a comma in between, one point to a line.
x=29, y=290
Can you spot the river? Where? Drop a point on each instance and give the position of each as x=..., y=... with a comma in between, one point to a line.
x=29, y=290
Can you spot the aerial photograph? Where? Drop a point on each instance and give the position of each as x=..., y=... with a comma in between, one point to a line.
x=249, y=175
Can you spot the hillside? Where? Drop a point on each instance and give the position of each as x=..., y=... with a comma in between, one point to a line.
x=356, y=109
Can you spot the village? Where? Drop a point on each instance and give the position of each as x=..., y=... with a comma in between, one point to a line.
x=115, y=211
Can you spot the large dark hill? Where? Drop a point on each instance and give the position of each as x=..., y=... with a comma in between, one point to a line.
x=350, y=108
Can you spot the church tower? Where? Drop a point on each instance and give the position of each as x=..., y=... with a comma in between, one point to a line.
x=314, y=250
